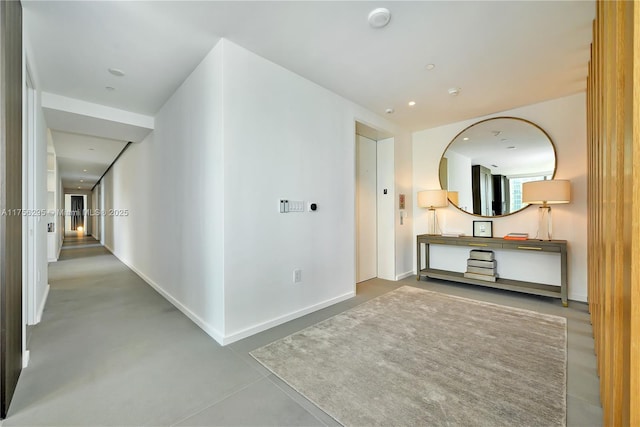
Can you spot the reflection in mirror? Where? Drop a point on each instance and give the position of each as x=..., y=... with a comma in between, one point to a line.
x=483, y=168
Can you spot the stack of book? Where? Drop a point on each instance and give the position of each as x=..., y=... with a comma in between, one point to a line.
x=517, y=236
x=481, y=265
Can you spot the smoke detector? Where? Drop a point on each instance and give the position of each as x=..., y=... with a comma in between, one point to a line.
x=389, y=110
x=379, y=17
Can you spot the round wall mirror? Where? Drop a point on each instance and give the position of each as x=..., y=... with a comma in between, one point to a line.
x=485, y=165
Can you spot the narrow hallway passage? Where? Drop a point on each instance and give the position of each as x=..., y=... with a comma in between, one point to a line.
x=112, y=351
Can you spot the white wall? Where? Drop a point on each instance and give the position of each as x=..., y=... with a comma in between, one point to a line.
x=564, y=120
x=35, y=255
x=41, y=175
x=60, y=207
x=40, y=203
x=286, y=137
x=386, y=208
x=95, y=210
x=244, y=132
x=459, y=168
x=404, y=237
x=173, y=236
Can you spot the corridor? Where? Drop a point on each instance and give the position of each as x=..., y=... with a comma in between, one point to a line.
x=112, y=351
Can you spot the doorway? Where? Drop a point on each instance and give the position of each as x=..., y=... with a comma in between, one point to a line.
x=375, y=201
x=76, y=218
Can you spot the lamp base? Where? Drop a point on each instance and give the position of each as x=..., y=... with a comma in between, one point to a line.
x=545, y=227
x=433, y=229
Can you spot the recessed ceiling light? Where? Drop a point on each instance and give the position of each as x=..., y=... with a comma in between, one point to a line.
x=116, y=72
x=91, y=149
x=511, y=147
x=454, y=91
x=430, y=66
x=78, y=188
x=466, y=138
x=84, y=170
x=82, y=180
x=379, y=17
x=110, y=89
x=495, y=166
x=412, y=103
x=496, y=132
x=389, y=110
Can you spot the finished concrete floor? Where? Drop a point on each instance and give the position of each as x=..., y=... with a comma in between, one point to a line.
x=112, y=351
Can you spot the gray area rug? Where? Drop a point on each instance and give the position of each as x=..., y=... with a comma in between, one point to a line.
x=414, y=357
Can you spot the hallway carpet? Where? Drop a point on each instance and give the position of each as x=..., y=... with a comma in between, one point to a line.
x=111, y=351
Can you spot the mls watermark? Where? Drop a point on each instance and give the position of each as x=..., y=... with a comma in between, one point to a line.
x=64, y=212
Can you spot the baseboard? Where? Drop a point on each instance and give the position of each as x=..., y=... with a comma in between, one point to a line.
x=231, y=338
x=207, y=328
x=405, y=275
x=236, y=336
x=579, y=298
x=43, y=303
x=59, y=250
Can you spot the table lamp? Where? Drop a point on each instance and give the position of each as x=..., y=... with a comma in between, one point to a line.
x=432, y=199
x=545, y=193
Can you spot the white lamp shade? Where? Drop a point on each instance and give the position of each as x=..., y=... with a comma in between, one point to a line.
x=546, y=192
x=432, y=199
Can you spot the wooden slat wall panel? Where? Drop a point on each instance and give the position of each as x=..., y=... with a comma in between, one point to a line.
x=634, y=297
x=613, y=129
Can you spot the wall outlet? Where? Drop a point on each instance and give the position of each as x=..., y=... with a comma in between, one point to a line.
x=297, y=276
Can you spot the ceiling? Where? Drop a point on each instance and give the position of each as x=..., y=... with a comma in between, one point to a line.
x=501, y=54
x=83, y=159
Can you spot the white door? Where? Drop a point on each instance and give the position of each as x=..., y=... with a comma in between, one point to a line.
x=366, y=218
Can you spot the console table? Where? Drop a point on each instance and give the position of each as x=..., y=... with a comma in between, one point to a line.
x=557, y=246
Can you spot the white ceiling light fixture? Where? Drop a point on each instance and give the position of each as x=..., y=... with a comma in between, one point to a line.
x=412, y=103
x=84, y=170
x=466, y=138
x=389, y=110
x=430, y=67
x=116, y=72
x=379, y=17
x=454, y=91
x=82, y=180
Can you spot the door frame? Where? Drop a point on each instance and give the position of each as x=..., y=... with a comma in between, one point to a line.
x=385, y=259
